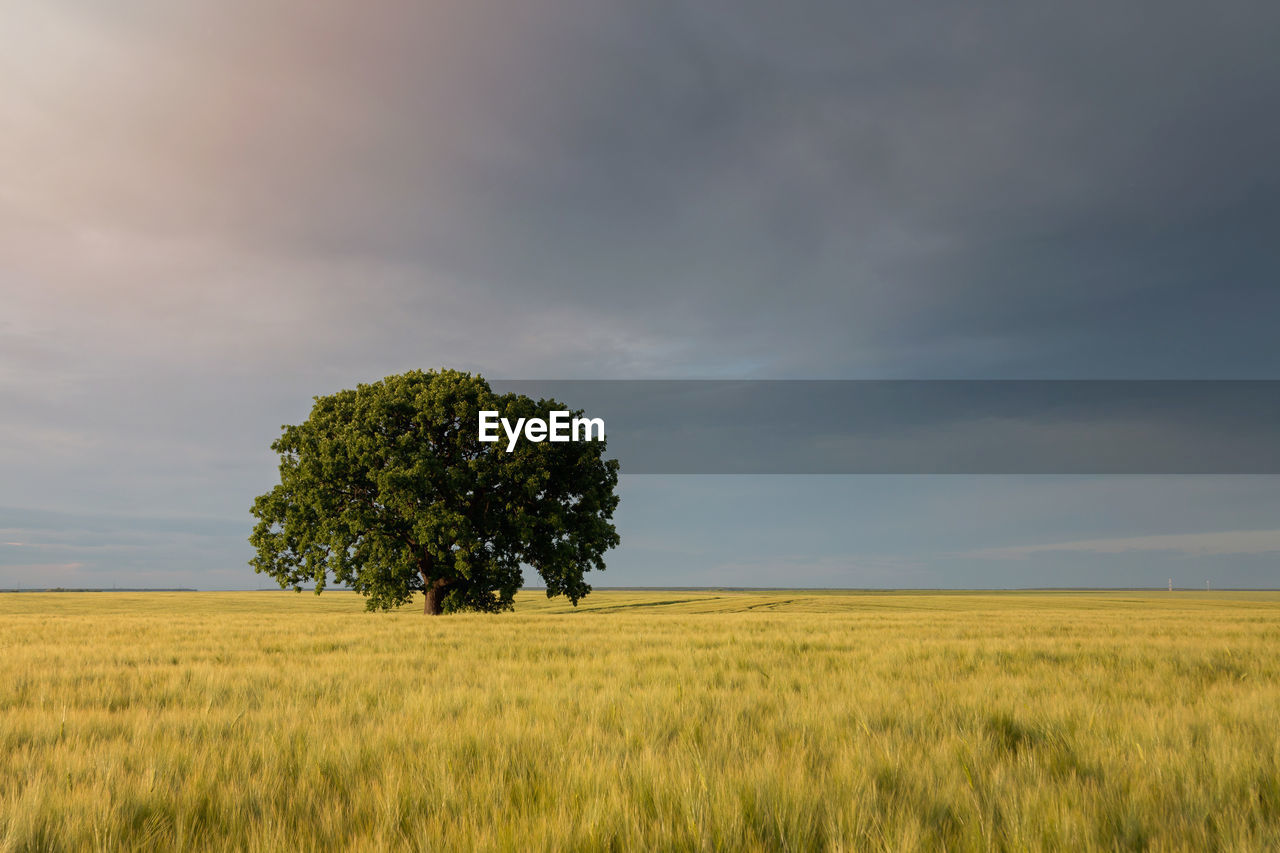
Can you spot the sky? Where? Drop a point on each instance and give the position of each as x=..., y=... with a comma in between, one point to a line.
x=212, y=212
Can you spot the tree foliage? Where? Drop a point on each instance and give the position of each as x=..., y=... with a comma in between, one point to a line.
x=389, y=490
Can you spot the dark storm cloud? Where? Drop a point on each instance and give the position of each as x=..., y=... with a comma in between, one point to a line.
x=1071, y=190
x=808, y=189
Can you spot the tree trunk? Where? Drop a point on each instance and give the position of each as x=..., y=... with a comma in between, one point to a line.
x=434, y=603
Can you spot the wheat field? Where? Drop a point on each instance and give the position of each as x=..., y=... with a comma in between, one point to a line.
x=641, y=721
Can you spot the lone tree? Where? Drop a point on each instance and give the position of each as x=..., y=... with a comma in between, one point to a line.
x=389, y=490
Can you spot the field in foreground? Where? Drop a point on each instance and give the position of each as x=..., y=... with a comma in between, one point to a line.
x=655, y=720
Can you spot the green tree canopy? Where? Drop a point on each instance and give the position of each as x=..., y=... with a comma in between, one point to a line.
x=389, y=490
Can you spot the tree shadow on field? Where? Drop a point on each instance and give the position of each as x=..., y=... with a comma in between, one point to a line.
x=647, y=604
x=771, y=605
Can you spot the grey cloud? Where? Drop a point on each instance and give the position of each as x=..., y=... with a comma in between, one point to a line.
x=1212, y=544
x=48, y=548
x=801, y=190
x=210, y=212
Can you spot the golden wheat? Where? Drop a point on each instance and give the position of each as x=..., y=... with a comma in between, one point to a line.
x=641, y=720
